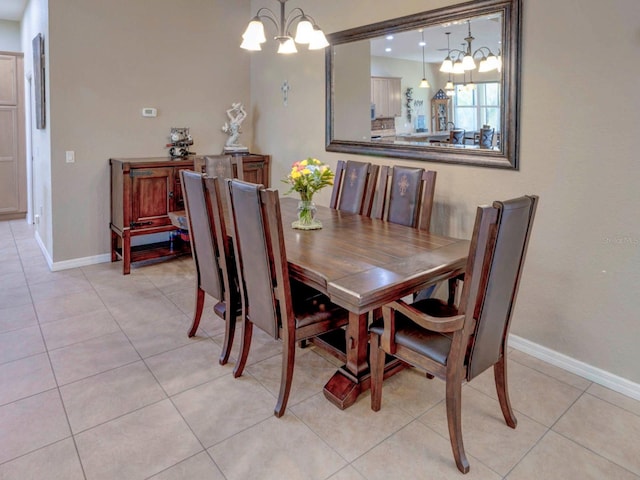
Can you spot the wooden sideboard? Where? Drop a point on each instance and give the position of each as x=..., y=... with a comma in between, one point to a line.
x=145, y=190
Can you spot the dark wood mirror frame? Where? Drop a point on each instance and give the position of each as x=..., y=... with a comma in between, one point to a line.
x=507, y=155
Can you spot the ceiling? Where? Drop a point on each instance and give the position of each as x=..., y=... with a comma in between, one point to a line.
x=12, y=9
x=486, y=31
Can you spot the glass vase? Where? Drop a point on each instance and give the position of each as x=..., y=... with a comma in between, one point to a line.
x=307, y=216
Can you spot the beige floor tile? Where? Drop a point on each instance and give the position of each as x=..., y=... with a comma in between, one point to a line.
x=486, y=435
x=535, y=394
x=21, y=343
x=141, y=304
x=310, y=374
x=417, y=452
x=106, y=396
x=352, y=431
x=12, y=264
x=70, y=305
x=277, y=448
x=59, y=287
x=30, y=424
x=151, y=335
x=25, y=377
x=123, y=294
x=223, y=407
x=14, y=318
x=556, y=457
x=347, y=473
x=12, y=279
x=263, y=346
x=91, y=357
x=605, y=428
x=78, y=329
x=616, y=398
x=186, y=367
x=137, y=445
x=14, y=296
x=199, y=466
x=412, y=392
x=551, y=370
x=58, y=461
x=40, y=273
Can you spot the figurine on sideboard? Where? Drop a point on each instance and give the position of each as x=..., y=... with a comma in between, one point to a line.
x=181, y=140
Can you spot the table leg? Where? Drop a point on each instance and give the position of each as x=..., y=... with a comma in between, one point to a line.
x=354, y=378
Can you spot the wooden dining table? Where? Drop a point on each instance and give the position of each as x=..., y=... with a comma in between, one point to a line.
x=362, y=263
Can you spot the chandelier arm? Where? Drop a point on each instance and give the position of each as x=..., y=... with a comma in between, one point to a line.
x=481, y=51
x=291, y=18
x=268, y=15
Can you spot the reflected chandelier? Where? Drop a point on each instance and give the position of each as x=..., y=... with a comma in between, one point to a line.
x=465, y=59
x=307, y=31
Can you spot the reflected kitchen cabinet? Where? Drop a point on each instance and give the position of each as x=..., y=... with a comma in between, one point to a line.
x=386, y=96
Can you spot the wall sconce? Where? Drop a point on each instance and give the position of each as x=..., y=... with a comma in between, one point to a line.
x=307, y=31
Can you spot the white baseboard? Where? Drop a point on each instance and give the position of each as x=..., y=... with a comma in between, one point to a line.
x=80, y=262
x=601, y=377
x=44, y=251
x=73, y=263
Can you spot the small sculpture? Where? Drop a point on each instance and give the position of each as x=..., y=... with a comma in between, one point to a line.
x=180, y=142
x=236, y=116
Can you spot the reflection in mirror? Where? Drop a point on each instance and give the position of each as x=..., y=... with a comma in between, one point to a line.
x=467, y=54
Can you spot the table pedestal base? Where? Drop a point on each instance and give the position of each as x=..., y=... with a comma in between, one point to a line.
x=343, y=388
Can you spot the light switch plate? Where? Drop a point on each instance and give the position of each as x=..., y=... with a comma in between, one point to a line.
x=70, y=156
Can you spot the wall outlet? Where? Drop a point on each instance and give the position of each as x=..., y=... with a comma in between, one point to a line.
x=70, y=156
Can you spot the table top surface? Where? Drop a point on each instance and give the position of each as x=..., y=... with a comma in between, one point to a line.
x=362, y=263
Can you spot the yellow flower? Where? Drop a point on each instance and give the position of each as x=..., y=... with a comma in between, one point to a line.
x=295, y=174
x=304, y=162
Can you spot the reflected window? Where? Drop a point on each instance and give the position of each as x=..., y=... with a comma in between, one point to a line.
x=475, y=107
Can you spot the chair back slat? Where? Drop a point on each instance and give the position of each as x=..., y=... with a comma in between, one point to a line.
x=500, y=254
x=221, y=166
x=486, y=137
x=404, y=195
x=202, y=234
x=456, y=137
x=353, y=187
x=253, y=254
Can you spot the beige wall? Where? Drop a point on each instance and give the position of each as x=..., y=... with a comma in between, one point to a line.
x=579, y=293
x=110, y=59
x=10, y=36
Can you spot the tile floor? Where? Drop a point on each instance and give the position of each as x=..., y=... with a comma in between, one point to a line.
x=98, y=380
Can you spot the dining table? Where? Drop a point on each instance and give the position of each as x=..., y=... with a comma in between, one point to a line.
x=362, y=263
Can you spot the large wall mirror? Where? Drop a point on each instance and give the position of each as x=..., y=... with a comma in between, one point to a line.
x=468, y=54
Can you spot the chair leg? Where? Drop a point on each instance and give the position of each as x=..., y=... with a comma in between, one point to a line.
x=376, y=361
x=245, y=343
x=502, y=388
x=454, y=420
x=229, y=332
x=198, y=311
x=288, y=362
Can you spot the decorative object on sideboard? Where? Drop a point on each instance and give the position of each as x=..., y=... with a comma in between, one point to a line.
x=236, y=116
x=181, y=140
x=307, y=31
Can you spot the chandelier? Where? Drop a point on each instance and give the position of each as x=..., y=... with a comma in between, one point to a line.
x=465, y=59
x=307, y=31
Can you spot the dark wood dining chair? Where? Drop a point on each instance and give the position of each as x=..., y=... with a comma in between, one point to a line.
x=486, y=137
x=212, y=254
x=270, y=301
x=456, y=137
x=222, y=166
x=404, y=195
x=353, y=187
x=458, y=343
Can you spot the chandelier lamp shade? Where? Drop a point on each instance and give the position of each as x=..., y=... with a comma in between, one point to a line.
x=307, y=31
x=423, y=83
x=461, y=61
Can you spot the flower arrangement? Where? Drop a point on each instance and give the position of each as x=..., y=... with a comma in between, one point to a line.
x=307, y=177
